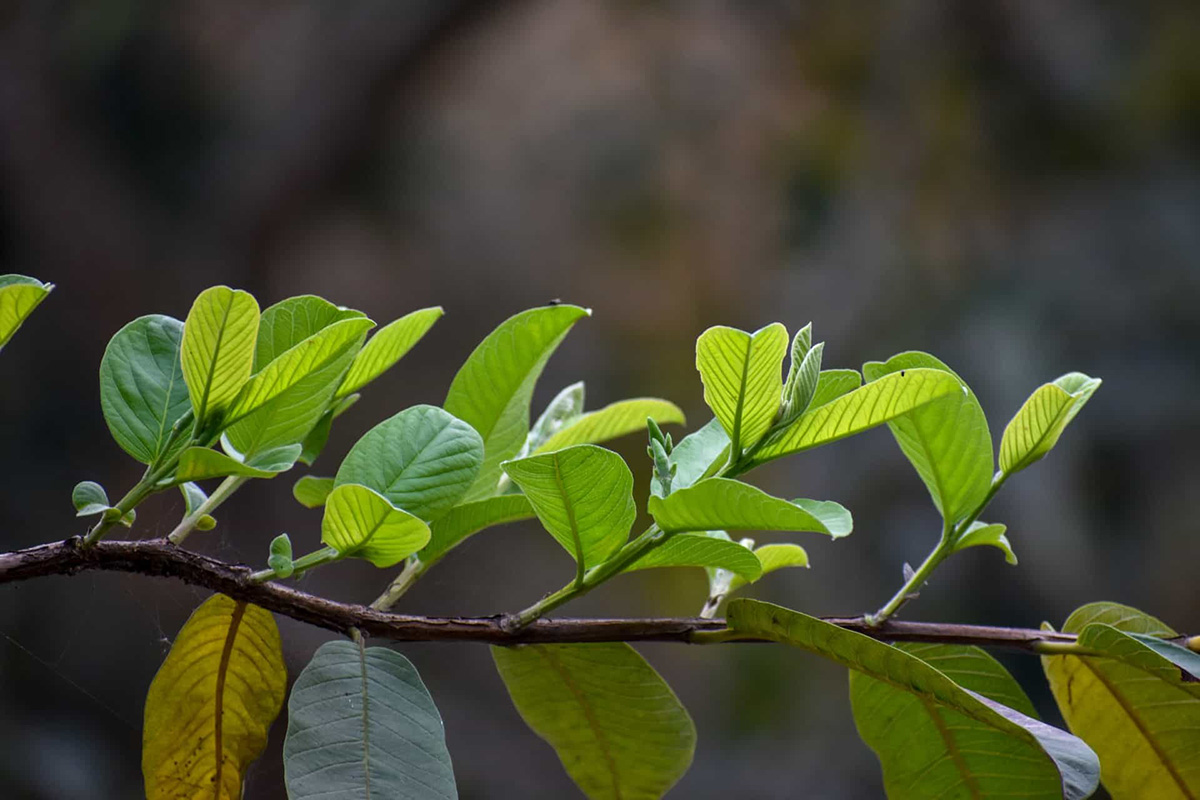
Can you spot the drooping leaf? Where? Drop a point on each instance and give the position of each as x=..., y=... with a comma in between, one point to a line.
x=387, y=347
x=743, y=379
x=311, y=491
x=362, y=724
x=619, y=730
x=615, y=419
x=584, y=497
x=89, y=498
x=1132, y=705
x=212, y=702
x=492, y=391
x=193, y=497
x=772, y=557
x=1004, y=751
x=947, y=441
x=698, y=550
x=142, y=392
x=929, y=750
x=449, y=530
x=362, y=523
x=318, y=437
x=289, y=322
x=726, y=504
x=981, y=533
x=19, y=296
x=832, y=384
x=874, y=404
x=1040, y=422
x=201, y=463
x=422, y=460
x=217, y=352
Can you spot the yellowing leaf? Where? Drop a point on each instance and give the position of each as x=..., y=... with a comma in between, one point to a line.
x=212, y=702
x=616, y=419
x=219, y=337
x=743, y=379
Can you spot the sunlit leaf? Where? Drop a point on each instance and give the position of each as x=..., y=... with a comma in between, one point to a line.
x=698, y=550
x=492, y=391
x=289, y=322
x=19, y=296
x=311, y=491
x=772, y=557
x=1008, y=752
x=362, y=523
x=387, y=347
x=619, y=730
x=726, y=504
x=616, y=419
x=832, y=384
x=460, y=522
x=743, y=379
x=217, y=352
x=1040, y=422
x=981, y=533
x=422, y=460
x=212, y=702
x=201, y=463
x=362, y=724
x=142, y=392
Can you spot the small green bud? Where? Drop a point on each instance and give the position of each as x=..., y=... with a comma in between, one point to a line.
x=206, y=522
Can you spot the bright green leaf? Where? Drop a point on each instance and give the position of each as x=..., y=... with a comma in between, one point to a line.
x=616, y=419
x=311, y=491
x=584, y=497
x=289, y=322
x=564, y=409
x=1038, y=424
x=387, y=347
x=1008, y=752
x=202, y=463
x=726, y=504
x=449, y=530
x=217, y=352
x=947, y=441
x=804, y=373
x=19, y=296
x=89, y=498
x=193, y=497
x=362, y=724
x=422, y=460
x=362, y=523
x=619, y=730
x=773, y=557
x=142, y=392
x=492, y=391
x=832, y=384
x=981, y=533
x=697, y=456
x=743, y=379
x=699, y=550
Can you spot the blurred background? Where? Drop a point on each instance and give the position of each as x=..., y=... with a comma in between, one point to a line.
x=1014, y=186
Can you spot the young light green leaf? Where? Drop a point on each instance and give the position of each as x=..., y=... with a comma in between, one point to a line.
x=311, y=491
x=981, y=533
x=619, y=730
x=142, y=392
x=315, y=442
x=930, y=749
x=566, y=406
x=202, y=463
x=726, y=504
x=803, y=375
x=362, y=724
x=422, y=460
x=832, y=384
x=360, y=522
x=615, y=419
x=772, y=557
x=460, y=522
x=699, y=550
x=193, y=497
x=801, y=344
x=743, y=379
x=19, y=296
x=387, y=347
x=1040, y=422
x=277, y=459
x=217, y=352
x=289, y=322
x=698, y=455
x=874, y=404
x=89, y=498
x=947, y=441
x=584, y=497
x=1131, y=705
x=492, y=391
x=1010, y=753
x=280, y=558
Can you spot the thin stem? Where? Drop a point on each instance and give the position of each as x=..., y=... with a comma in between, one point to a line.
x=414, y=568
x=299, y=566
x=186, y=525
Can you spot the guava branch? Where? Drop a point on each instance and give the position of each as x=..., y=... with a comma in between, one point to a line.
x=161, y=558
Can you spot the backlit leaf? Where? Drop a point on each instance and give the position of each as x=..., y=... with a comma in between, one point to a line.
x=698, y=550
x=743, y=379
x=387, y=347
x=362, y=523
x=19, y=296
x=832, y=384
x=314, y=443
x=981, y=533
x=1040, y=422
x=202, y=463
x=217, y=353
x=449, y=530
x=311, y=491
x=726, y=504
x=289, y=322
x=616, y=419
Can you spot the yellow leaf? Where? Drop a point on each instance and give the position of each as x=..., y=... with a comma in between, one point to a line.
x=212, y=702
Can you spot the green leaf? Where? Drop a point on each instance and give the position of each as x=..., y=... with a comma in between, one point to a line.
x=315, y=442
x=584, y=497
x=311, y=491
x=619, y=730
x=202, y=463
x=772, y=557
x=947, y=441
x=362, y=724
x=193, y=497
x=726, y=504
x=422, y=460
x=1009, y=752
x=19, y=296
x=492, y=391
x=981, y=533
x=217, y=353
x=89, y=498
x=280, y=558
x=468, y=519
x=854, y=412
x=282, y=403
x=930, y=750
x=1132, y=705
x=362, y=523
x=387, y=347
x=803, y=375
x=289, y=322
x=832, y=384
x=1035, y=429
x=699, y=550
x=142, y=392
x=565, y=408
x=695, y=457
x=616, y=419
x=743, y=380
